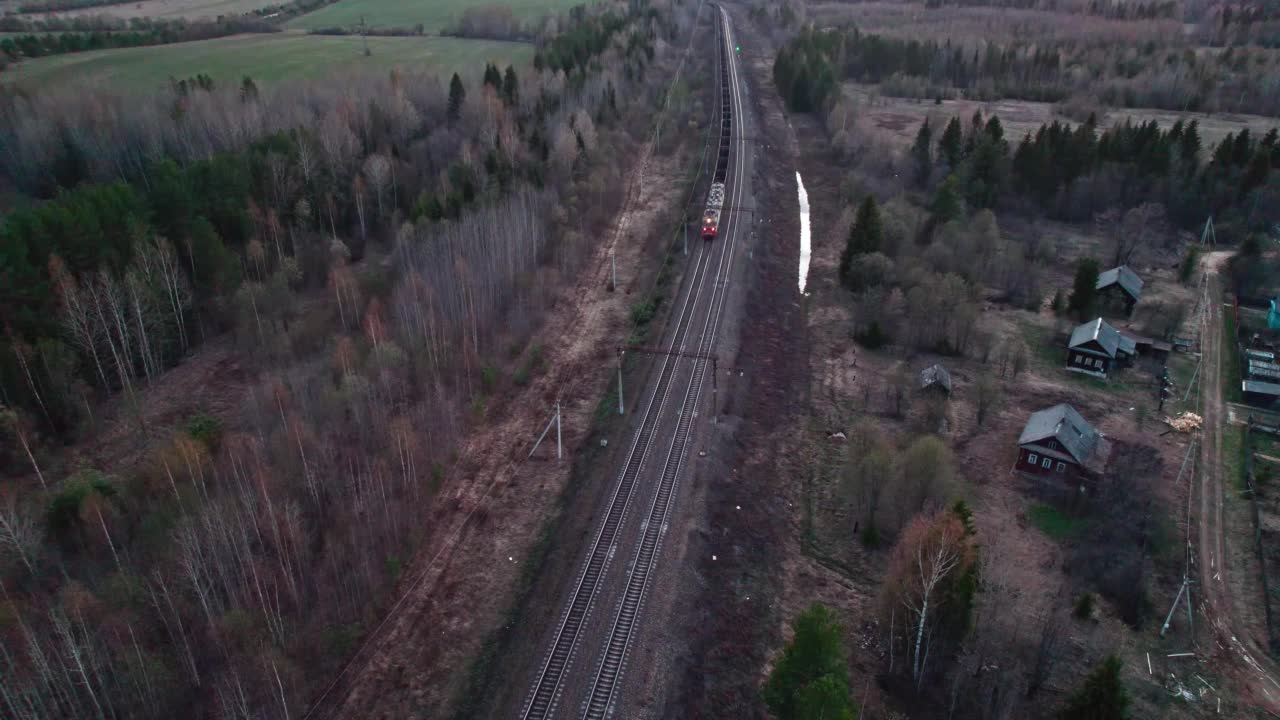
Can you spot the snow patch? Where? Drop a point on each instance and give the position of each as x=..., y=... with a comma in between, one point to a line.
x=805, y=250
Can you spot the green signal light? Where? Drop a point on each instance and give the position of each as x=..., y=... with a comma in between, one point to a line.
x=737, y=48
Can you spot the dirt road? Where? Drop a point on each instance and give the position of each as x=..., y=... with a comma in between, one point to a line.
x=1245, y=661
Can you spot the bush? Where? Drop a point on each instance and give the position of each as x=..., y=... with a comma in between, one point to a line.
x=1084, y=606
x=1189, y=263
x=63, y=513
x=488, y=378
x=870, y=536
x=1101, y=697
x=874, y=337
x=206, y=429
x=643, y=312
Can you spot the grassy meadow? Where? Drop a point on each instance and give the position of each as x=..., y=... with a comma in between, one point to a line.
x=268, y=59
x=434, y=15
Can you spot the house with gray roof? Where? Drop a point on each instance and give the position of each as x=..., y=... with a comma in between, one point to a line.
x=1059, y=442
x=1096, y=348
x=936, y=379
x=1119, y=289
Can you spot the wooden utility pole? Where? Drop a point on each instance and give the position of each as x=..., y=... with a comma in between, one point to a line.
x=364, y=36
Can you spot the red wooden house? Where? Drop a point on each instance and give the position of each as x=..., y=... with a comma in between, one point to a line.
x=1059, y=442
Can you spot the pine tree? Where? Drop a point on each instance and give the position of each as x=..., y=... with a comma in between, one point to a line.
x=1084, y=291
x=457, y=95
x=1101, y=697
x=922, y=153
x=951, y=144
x=866, y=236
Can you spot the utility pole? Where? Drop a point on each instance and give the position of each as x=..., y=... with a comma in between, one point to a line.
x=715, y=391
x=1168, y=618
x=1208, y=234
x=364, y=36
x=621, y=406
x=686, y=237
x=555, y=420
x=613, y=261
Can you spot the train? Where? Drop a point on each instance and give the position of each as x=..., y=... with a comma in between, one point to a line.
x=711, y=216
x=715, y=206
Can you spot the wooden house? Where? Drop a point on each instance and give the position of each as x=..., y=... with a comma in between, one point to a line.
x=1096, y=348
x=1119, y=290
x=935, y=380
x=1058, y=442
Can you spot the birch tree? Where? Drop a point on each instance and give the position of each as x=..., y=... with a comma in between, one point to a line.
x=932, y=554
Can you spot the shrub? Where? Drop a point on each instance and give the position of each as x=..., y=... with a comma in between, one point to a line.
x=205, y=429
x=870, y=536
x=643, y=312
x=1189, y=262
x=1084, y=606
x=63, y=512
x=488, y=378
x=873, y=337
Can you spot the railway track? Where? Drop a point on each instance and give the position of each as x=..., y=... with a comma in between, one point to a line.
x=545, y=694
x=613, y=661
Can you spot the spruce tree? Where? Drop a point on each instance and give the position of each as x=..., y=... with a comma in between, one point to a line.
x=865, y=236
x=1255, y=175
x=492, y=76
x=922, y=153
x=1243, y=148
x=457, y=95
x=511, y=87
x=988, y=172
x=994, y=129
x=1224, y=154
x=947, y=204
x=1084, y=291
x=951, y=143
x=811, y=679
x=1101, y=697
x=1189, y=143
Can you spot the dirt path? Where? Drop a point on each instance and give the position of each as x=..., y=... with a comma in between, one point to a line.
x=1251, y=669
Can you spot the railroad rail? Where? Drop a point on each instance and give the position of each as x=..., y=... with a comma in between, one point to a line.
x=545, y=694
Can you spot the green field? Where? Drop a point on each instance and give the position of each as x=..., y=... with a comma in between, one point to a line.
x=268, y=59
x=167, y=9
x=434, y=15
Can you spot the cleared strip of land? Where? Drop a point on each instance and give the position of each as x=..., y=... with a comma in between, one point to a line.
x=268, y=59
x=901, y=117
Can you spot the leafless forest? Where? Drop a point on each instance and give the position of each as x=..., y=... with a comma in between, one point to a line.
x=227, y=417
